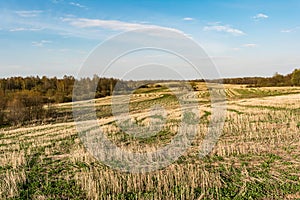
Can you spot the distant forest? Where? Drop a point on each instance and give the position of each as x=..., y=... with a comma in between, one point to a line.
x=24, y=99
x=292, y=79
x=29, y=99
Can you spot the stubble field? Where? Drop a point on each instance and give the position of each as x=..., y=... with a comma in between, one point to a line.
x=256, y=157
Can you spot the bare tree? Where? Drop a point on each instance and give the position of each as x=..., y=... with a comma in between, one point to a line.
x=16, y=111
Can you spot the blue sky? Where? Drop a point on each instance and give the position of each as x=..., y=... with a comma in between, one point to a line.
x=243, y=38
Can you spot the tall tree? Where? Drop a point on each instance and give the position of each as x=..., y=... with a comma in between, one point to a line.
x=2, y=107
x=296, y=77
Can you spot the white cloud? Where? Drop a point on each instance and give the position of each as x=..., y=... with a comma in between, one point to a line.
x=110, y=24
x=286, y=31
x=24, y=29
x=116, y=25
x=289, y=30
x=251, y=45
x=260, y=16
x=40, y=43
x=214, y=23
x=188, y=19
x=77, y=5
x=29, y=13
x=56, y=1
x=226, y=29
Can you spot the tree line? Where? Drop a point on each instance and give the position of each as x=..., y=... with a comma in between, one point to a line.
x=27, y=99
x=292, y=79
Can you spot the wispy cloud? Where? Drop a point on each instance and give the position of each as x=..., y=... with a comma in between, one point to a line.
x=224, y=28
x=56, y=1
x=248, y=45
x=41, y=43
x=29, y=13
x=116, y=25
x=188, y=19
x=260, y=16
x=289, y=30
x=24, y=29
x=107, y=24
x=251, y=45
x=77, y=5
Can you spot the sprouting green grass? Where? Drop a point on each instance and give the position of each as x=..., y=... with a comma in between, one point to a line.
x=256, y=157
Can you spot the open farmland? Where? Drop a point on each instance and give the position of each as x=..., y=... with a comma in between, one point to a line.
x=257, y=155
